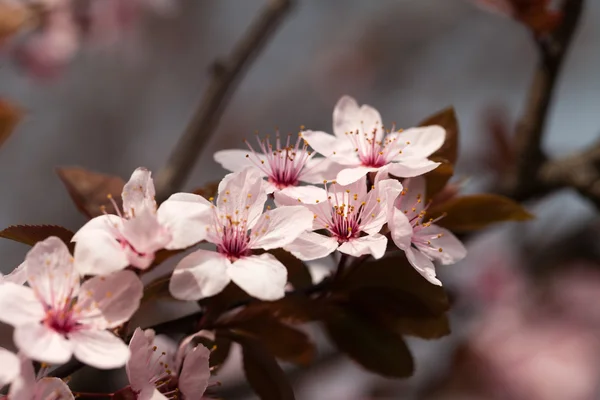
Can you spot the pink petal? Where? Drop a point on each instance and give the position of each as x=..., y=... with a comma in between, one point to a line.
x=422, y=264
x=311, y=246
x=18, y=275
x=423, y=142
x=193, y=379
x=308, y=194
x=138, y=193
x=185, y=215
x=109, y=222
x=372, y=244
x=239, y=190
x=279, y=227
x=401, y=229
x=51, y=272
x=351, y=175
x=452, y=248
x=52, y=388
x=411, y=168
x=338, y=150
x=146, y=236
x=23, y=387
x=263, y=277
x=41, y=343
x=108, y=301
x=99, y=349
x=19, y=305
x=137, y=368
x=97, y=252
x=11, y=367
x=346, y=114
x=378, y=204
x=235, y=160
x=318, y=169
x=414, y=190
x=201, y=274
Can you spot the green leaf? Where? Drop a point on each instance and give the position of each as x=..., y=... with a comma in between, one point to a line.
x=89, y=190
x=446, y=119
x=264, y=375
x=375, y=347
x=31, y=234
x=474, y=212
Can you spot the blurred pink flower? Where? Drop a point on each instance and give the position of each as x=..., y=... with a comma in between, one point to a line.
x=10, y=367
x=27, y=386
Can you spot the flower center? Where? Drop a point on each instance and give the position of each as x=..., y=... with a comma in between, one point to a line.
x=235, y=240
x=282, y=164
x=371, y=151
x=61, y=321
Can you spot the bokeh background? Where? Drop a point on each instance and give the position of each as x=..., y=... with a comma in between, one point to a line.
x=525, y=322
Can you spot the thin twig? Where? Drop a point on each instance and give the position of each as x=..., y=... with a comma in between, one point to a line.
x=226, y=76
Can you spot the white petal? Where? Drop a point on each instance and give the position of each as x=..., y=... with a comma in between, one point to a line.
x=99, y=349
x=378, y=204
x=311, y=246
x=346, y=115
x=424, y=141
x=97, y=252
x=234, y=159
x=452, y=249
x=11, y=367
x=52, y=388
x=186, y=216
x=372, y=244
x=351, y=175
x=401, y=229
x=18, y=275
x=23, y=387
x=318, y=169
x=19, y=305
x=138, y=373
x=411, y=168
x=41, y=343
x=201, y=274
x=145, y=236
x=422, y=264
x=193, y=379
x=108, y=301
x=108, y=222
x=263, y=277
x=239, y=190
x=308, y=194
x=336, y=149
x=51, y=272
x=279, y=227
x=138, y=193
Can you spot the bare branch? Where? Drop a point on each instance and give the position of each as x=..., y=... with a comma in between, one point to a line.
x=226, y=76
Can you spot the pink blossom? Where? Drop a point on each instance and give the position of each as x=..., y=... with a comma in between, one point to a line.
x=10, y=367
x=56, y=317
x=237, y=225
x=284, y=164
x=157, y=371
x=361, y=145
x=351, y=216
x=111, y=242
x=27, y=386
x=423, y=242
x=18, y=275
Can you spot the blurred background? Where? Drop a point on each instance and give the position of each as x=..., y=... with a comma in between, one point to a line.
x=525, y=321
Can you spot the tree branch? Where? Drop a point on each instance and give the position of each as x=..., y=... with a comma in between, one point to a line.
x=226, y=76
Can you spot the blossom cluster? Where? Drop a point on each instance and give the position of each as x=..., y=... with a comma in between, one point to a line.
x=364, y=187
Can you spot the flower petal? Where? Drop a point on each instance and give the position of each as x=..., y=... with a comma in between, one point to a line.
x=201, y=274
x=23, y=387
x=412, y=200
x=263, y=277
x=346, y=114
x=11, y=367
x=19, y=305
x=440, y=238
x=424, y=141
x=235, y=160
x=51, y=273
x=18, y=275
x=411, y=168
x=422, y=264
x=193, y=379
x=108, y=301
x=311, y=246
x=351, y=175
x=378, y=203
x=186, y=216
x=140, y=347
x=308, y=194
x=138, y=193
x=401, y=229
x=108, y=222
x=41, y=343
x=372, y=244
x=318, y=169
x=99, y=349
x=97, y=252
x=338, y=150
x=145, y=235
x=239, y=190
x=279, y=227
x=53, y=388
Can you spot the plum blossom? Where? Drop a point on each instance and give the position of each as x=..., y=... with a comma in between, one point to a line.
x=157, y=370
x=28, y=386
x=422, y=241
x=10, y=367
x=237, y=225
x=360, y=144
x=56, y=317
x=351, y=216
x=110, y=242
x=284, y=164
x=18, y=275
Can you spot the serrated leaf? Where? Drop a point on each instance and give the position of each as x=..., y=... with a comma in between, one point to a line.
x=31, y=234
x=375, y=347
x=10, y=116
x=474, y=212
x=89, y=190
x=446, y=119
